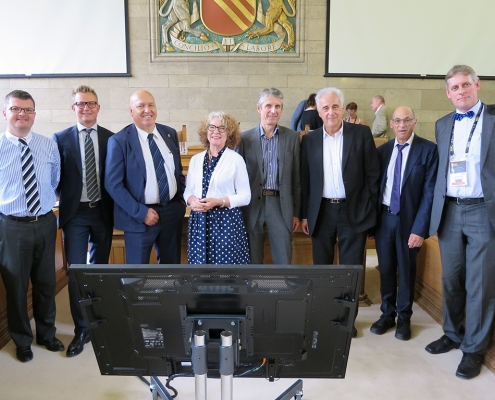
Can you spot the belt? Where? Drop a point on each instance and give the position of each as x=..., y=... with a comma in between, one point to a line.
x=466, y=201
x=269, y=192
x=25, y=219
x=89, y=204
x=334, y=201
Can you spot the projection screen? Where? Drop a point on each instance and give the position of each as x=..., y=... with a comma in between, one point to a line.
x=64, y=38
x=415, y=38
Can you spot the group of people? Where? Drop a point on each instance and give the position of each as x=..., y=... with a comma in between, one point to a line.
x=335, y=184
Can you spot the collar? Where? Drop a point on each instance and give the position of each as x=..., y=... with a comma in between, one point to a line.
x=410, y=140
x=144, y=135
x=80, y=127
x=381, y=105
x=475, y=108
x=262, y=131
x=15, y=139
x=337, y=134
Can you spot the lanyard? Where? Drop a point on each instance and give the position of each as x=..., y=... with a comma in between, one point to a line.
x=468, y=144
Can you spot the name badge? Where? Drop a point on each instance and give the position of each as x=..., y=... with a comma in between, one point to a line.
x=458, y=173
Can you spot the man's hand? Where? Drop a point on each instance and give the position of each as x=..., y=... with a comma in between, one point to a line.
x=151, y=217
x=295, y=224
x=304, y=226
x=415, y=241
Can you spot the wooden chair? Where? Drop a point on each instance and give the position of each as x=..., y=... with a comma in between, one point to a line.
x=304, y=132
x=380, y=140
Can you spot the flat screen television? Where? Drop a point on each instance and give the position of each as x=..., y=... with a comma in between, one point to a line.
x=286, y=321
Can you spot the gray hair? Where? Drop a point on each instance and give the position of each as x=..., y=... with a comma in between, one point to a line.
x=380, y=97
x=18, y=94
x=269, y=92
x=329, y=91
x=460, y=69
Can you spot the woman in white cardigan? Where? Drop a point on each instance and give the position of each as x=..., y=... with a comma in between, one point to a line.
x=217, y=185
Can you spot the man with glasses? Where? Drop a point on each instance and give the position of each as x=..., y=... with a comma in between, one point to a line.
x=86, y=209
x=28, y=177
x=408, y=168
x=463, y=215
x=271, y=153
x=144, y=177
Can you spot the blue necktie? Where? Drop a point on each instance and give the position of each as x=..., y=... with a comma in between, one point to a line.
x=29, y=179
x=395, y=197
x=161, y=176
x=459, y=117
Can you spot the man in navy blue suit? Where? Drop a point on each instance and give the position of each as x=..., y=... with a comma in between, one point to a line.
x=408, y=167
x=86, y=209
x=144, y=177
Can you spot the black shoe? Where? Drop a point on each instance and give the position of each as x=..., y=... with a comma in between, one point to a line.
x=442, y=345
x=403, y=331
x=469, y=366
x=77, y=345
x=354, y=332
x=53, y=344
x=382, y=325
x=24, y=353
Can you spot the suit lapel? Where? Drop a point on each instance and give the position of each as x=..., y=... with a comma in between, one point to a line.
x=75, y=149
x=135, y=148
x=486, y=135
x=256, y=138
x=347, y=137
x=102, y=149
x=414, y=153
x=387, y=155
x=282, y=144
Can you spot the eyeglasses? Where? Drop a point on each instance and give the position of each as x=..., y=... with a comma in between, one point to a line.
x=82, y=104
x=212, y=128
x=17, y=110
x=406, y=121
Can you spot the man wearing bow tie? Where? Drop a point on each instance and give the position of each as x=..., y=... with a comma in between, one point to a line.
x=463, y=216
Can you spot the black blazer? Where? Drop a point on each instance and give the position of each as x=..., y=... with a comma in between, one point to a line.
x=418, y=183
x=69, y=189
x=360, y=170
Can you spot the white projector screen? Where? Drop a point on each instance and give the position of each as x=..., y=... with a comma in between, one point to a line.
x=414, y=38
x=63, y=38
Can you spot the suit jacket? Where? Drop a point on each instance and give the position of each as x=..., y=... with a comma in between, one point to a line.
x=70, y=187
x=360, y=173
x=418, y=183
x=380, y=124
x=126, y=175
x=288, y=174
x=443, y=129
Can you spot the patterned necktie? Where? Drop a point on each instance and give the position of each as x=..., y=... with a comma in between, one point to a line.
x=395, y=197
x=161, y=176
x=459, y=117
x=29, y=179
x=91, y=179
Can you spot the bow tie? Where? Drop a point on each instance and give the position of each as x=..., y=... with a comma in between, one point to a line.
x=459, y=117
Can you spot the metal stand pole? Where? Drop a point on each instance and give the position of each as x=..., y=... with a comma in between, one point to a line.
x=227, y=366
x=199, y=363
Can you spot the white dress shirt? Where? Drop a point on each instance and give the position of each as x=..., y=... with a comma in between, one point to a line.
x=333, y=183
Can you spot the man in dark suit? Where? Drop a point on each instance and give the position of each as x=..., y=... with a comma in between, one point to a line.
x=408, y=167
x=271, y=153
x=144, y=177
x=86, y=209
x=463, y=215
x=339, y=183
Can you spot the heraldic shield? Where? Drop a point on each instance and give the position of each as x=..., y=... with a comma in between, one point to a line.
x=227, y=17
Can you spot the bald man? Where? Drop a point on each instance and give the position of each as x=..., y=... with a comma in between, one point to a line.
x=144, y=177
x=408, y=167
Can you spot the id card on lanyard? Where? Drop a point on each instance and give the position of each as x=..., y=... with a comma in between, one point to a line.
x=458, y=166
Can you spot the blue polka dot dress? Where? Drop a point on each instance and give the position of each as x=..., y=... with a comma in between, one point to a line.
x=217, y=236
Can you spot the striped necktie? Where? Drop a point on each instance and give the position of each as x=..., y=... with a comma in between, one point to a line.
x=395, y=196
x=29, y=179
x=91, y=180
x=161, y=176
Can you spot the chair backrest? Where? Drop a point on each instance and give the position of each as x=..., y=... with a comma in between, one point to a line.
x=182, y=134
x=304, y=132
x=380, y=140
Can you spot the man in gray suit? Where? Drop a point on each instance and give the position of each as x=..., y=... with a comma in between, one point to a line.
x=271, y=153
x=463, y=215
x=379, y=128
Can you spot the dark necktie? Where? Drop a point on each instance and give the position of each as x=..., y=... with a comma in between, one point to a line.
x=161, y=176
x=395, y=197
x=459, y=117
x=29, y=179
x=91, y=179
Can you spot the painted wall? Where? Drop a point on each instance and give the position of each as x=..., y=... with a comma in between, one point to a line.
x=187, y=90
